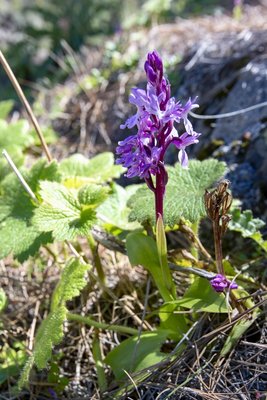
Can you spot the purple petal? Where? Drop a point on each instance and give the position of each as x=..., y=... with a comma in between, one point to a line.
x=183, y=158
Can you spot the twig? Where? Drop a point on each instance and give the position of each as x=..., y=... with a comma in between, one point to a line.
x=20, y=177
x=26, y=104
x=33, y=325
x=229, y=114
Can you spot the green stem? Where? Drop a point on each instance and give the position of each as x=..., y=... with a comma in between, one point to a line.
x=96, y=258
x=100, y=370
x=101, y=325
x=194, y=250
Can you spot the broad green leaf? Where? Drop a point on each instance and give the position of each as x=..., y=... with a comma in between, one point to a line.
x=5, y=108
x=77, y=170
x=135, y=354
x=62, y=213
x=201, y=297
x=243, y=222
x=17, y=234
x=174, y=323
x=114, y=210
x=184, y=193
x=142, y=250
x=72, y=281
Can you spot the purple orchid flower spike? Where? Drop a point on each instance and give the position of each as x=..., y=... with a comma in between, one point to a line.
x=220, y=283
x=143, y=153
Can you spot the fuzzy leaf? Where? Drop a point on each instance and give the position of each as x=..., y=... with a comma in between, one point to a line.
x=49, y=334
x=17, y=235
x=93, y=195
x=114, y=210
x=184, y=193
x=72, y=281
x=15, y=134
x=243, y=222
x=77, y=170
x=15, y=139
x=62, y=213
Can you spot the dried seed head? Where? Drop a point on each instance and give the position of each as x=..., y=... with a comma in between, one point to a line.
x=225, y=219
x=226, y=203
x=222, y=187
x=218, y=203
x=210, y=204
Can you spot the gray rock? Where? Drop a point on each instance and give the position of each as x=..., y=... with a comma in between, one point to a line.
x=229, y=73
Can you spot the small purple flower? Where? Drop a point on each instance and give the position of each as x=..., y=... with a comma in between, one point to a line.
x=143, y=153
x=220, y=283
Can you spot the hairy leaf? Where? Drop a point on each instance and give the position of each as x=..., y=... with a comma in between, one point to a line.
x=93, y=194
x=17, y=234
x=114, y=210
x=72, y=281
x=77, y=170
x=243, y=222
x=50, y=332
x=62, y=212
x=184, y=193
x=15, y=139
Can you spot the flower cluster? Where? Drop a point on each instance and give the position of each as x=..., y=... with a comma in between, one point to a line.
x=143, y=153
x=220, y=282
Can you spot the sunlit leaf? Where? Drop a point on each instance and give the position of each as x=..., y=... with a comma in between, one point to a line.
x=184, y=193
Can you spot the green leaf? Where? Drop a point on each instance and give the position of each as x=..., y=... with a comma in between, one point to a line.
x=17, y=234
x=136, y=353
x=77, y=170
x=11, y=360
x=72, y=281
x=93, y=194
x=50, y=332
x=114, y=210
x=184, y=193
x=15, y=134
x=15, y=139
x=201, y=297
x=238, y=331
x=243, y=222
x=5, y=108
x=3, y=300
x=173, y=322
x=49, y=135
x=62, y=213
x=142, y=250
